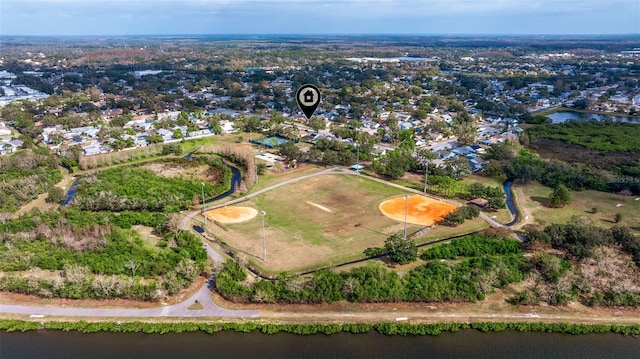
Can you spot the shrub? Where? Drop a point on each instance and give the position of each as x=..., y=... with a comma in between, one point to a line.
x=400, y=250
x=55, y=195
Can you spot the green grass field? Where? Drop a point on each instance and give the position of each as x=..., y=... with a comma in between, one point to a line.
x=226, y=139
x=324, y=220
x=536, y=202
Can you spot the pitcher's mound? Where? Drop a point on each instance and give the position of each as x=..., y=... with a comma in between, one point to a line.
x=231, y=214
x=421, y=210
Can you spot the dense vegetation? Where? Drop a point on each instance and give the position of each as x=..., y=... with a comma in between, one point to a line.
x=461, y=214
x=401, y=251
x=308, y=329
x=97, y=256
x=599, y=136
x=528, y=167
x=445, y=185
x=130, y=188
x=601, y=156
x=580, y=239
x=592, y=266
x=24, y=175
x=564, y=266
x=465, y=280
x=472, y=246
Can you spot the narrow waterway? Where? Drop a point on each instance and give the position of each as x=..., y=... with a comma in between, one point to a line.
x=465, y=343
x=510, y=205
x=71, y=193
x=235, y=181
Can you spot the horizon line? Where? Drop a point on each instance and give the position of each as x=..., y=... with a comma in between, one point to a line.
x=331, y=34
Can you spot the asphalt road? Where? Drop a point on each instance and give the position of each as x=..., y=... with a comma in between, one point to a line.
x=203, y=295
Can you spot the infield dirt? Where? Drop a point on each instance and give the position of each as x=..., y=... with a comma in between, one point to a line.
x=231, y=214
x=419, y=210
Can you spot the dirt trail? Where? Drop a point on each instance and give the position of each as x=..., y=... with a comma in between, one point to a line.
x=526, y=216
x=40, y=202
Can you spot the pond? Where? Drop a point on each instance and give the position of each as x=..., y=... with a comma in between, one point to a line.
x=564, y=116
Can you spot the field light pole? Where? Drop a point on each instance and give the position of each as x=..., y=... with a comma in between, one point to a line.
x=357, y=152
x=264, y=241
x=426, y=173
x=203, y=205
x=406, y=211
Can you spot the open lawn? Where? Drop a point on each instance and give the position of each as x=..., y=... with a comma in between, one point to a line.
x=149, y=238
x=273, y=176
x=319, y=221
x=535, y=199
x=226, y=139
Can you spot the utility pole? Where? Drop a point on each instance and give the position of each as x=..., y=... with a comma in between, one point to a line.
x=426, y=173
x=357, y=152
x=357, y=158
x=406, y=211
x=203, y=206
x=264, y=241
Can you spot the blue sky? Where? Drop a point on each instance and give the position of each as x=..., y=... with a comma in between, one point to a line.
x=159, y=17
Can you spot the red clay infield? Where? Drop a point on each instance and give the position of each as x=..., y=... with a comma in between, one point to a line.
x=231, y=214
x=421, y=210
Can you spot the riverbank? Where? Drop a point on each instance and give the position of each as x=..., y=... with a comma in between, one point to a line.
x=387, y=328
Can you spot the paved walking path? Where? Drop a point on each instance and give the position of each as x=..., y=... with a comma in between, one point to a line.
x=203, y=296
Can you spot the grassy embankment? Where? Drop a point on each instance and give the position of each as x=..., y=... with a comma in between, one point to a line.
x=309, y=329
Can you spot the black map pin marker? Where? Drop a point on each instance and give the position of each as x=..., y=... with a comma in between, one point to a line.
x=308, y=98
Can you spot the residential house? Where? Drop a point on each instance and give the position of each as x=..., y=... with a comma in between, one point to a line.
x=89, y=131
x=92, y=150
x=227, y=127
x=445, y=155
x=463, y=151
x=166, y=134
x=380, y=151
x=10, y=146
